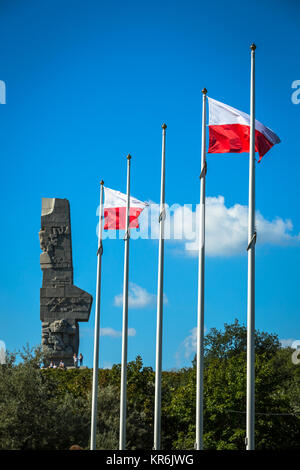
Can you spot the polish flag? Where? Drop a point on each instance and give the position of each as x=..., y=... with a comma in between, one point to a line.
x=115, y=210
x=229, y=131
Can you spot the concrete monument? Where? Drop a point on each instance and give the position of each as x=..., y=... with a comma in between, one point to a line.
x=62, y=304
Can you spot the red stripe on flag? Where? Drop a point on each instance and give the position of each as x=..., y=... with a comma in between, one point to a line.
x=235, y=138
x=115, y=218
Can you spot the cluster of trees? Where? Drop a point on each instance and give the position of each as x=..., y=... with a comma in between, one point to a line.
x=50, y=409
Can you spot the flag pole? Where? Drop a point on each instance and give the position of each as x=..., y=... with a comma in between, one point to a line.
x=250, y=421
x=97, y=327
x=123, y=398
x=200, y=313
x=160, y=293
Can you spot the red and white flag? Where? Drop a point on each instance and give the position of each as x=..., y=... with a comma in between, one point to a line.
x=229, y=131
x=115, y=210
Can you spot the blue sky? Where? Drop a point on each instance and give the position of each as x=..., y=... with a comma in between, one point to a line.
x=89, y=82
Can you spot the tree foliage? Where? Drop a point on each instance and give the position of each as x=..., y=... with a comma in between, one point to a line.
x=51, y=408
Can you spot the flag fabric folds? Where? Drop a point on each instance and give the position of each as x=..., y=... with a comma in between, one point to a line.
x=229, y=131
x=115, y=210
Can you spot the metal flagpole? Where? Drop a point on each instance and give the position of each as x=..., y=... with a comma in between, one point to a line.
x=200, y=319
x=250, y=444
x=160, y=293
x=97, y=328
x=123, y=398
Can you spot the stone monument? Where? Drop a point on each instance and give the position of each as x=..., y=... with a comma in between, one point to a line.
x=62, y=304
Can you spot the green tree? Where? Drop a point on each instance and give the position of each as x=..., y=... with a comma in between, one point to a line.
x=51, y=409
x=140, y=393
x=32, y=417
x=225, y=394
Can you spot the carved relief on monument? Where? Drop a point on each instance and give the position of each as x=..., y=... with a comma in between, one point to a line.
x=62, y=304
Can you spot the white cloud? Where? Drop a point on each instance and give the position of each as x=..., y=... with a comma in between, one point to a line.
x=107, y=365
x=190, y=343
x=112, y=333
x=188, y=347
x=138, y=297
x=108, y=331
x=226, y=229
x=290, y=343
